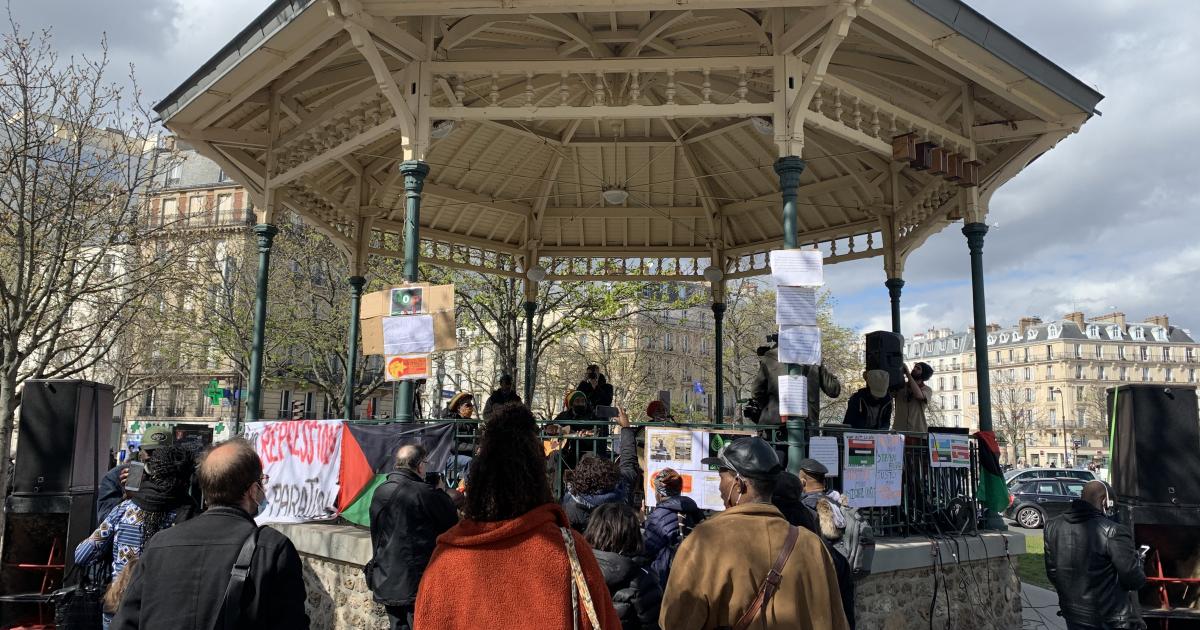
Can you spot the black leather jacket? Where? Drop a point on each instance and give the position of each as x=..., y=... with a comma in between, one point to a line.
x=1093, y=564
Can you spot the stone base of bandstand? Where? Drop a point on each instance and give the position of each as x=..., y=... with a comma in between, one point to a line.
x=976, y=581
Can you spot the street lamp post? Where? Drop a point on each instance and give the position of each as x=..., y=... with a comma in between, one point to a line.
x=1062, y=403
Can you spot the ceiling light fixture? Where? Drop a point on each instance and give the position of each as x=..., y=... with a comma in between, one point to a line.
x=441, y=129
x=764, y=125
x=536, y=273
x=615, y=196
x=713, y=274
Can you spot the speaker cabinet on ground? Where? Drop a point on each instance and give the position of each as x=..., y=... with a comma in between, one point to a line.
x=885, y=351
x=1156, y=453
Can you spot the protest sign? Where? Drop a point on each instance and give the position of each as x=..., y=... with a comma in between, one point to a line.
x=682, y=450
x=874, y=465
x=949, y=450
x=302, y=459
x=797, y=267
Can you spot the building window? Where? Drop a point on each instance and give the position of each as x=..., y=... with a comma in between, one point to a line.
x=1121, y=352
x=1078, y=417
x=954, y=380
x=174, y=174
x=1053, y=417
x=971, y=398
x=1124, y=374
x=667, y=342
x=1012, y=374
x=1145, y=354
x=222, y=176
x=224, y=208
x=957, y=420
x=942, y=401
x=1050, y=394
x=941, y=383
x=1025, y=354
x=1049, y=372
x=1028, y=394
x=195, y=210
x=1078, y=351
x=1099, y=351
x=1166, y=354
x=1028, y=373
x=1049, y=351
x=954, y=361
x=956, y=399
x=1169, y=374
x=1078, y=394
x=1146, y=375
x=1190, y=354
x=1010, y=354
x=1078, y=371
x=1191, y=375
x=1101, y=373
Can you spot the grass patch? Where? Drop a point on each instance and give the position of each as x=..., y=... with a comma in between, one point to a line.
x=1032, y=566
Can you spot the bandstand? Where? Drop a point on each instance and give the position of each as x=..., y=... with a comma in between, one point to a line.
x=551, y=140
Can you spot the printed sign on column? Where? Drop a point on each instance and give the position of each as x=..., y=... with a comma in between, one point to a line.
x=302, y=459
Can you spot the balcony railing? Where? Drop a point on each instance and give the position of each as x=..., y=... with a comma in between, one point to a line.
x=210, y=218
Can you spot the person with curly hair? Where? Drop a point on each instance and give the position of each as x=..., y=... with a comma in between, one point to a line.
x=512, y=562
x=161, y=502
x=615, y=534
x=593, y=483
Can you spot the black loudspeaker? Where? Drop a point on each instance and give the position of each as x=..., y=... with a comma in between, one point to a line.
x=63, y=439
x=1156, y=453
x=885, y=351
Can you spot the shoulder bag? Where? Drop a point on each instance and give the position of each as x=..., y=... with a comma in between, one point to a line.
x=230, y=613
x=579, y=588
x=771, y=584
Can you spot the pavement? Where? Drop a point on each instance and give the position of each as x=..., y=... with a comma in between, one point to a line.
x=1039, y=606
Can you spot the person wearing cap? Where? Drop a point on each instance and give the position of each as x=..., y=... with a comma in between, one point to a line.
x=112, y=486
x=721, y=566
x=673, y=517
x=912, y=398
x=789, y=498
x=871, y=406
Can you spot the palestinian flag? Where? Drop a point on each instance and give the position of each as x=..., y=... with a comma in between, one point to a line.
x=369, y=454
x=992, y=492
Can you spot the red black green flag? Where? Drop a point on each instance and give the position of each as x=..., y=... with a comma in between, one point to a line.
x=993, y=492
x=369, y=454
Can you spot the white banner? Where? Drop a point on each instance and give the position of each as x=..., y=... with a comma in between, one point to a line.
x=303, y=459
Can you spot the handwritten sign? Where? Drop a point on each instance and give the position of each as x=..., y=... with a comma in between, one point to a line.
x=302, y=460
x=949, y=450
x=874, y=468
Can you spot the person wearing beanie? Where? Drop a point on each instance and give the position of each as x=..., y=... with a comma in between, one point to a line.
x=871, y=406
x=580, y=415
x=912, y=399
x=673, y=516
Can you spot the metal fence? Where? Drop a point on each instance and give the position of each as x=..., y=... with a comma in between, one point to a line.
x=925, y=490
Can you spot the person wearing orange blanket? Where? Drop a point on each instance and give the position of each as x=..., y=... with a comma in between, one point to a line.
x=513, y=561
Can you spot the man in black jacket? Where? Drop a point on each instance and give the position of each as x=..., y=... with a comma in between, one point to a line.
x=765, y=389
x=504, y=395
x=1093, y=564
x=599, y=391
x=181, y=578
x=407, y=516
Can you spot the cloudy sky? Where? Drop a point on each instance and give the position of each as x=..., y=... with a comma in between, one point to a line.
x=1107, y=219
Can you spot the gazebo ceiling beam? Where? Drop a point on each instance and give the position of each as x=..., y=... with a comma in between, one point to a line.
x=600, y=212
x=227, y=137
x=465, y=28
x=465, y=197
x=361, y=139
x=576, y=30
x=327, y=112
x=805, y=191
x=1009, y=130
x=611, y=65
x=432, y=234
x=602, y=112
x=509, y=7
x=335, y=47
x=659, y=23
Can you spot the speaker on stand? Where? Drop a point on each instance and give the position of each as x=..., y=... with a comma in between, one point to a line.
x=885, y=351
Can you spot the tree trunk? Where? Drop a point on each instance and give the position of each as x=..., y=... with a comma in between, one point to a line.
x=8, y=408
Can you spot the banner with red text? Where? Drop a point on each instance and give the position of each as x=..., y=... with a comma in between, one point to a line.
x=302, y=459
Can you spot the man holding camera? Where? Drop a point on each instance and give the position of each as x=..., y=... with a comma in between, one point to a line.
x=1092, y=562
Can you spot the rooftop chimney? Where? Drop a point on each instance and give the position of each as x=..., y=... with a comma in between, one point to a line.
x=1159, y=320
x=1076, y=317
x=1026, y=322
x=1115, y=317
x=993, y=328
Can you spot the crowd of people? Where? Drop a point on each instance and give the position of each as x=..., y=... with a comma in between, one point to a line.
x=502, y=552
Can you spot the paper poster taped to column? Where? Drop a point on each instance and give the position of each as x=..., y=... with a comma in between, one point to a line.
x=411, y=334
x=825, y=450
x=793, y=395
x=874, y=467
x=796, y=306
x=406, y=367
x=301, y=459
x=682, y=450
x=797, y=267
x=800, y=344
x=949, y=450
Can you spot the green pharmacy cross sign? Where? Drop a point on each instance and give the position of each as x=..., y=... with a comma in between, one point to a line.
x=213, y=392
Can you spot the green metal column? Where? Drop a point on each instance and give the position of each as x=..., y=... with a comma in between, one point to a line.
x=266, y=235
x=414, y=172
x=894, y=285
x=974, y=233
x=530, y=309
x=718, y=309
x=356, y=291
x=789, y=169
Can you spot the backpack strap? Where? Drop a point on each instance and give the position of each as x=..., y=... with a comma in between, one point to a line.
x=230, y=612
x=771, y=583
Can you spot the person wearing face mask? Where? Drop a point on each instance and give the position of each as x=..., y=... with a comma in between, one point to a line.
x=1094, y=565
x=721, y=570
x=184, y=572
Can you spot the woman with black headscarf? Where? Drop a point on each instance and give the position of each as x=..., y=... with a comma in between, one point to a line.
x=160, y=502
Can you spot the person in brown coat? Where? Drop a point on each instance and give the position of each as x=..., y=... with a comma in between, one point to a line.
x=721, y=565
